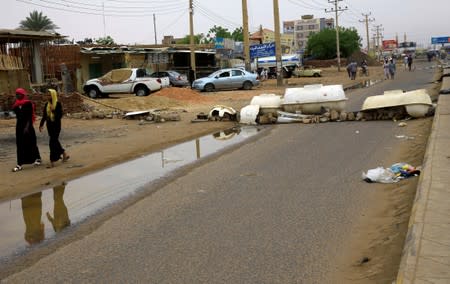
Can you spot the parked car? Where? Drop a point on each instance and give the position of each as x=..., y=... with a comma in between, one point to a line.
x=307, y=72
x=123, y=81
x=176, y=79
x=230, y=78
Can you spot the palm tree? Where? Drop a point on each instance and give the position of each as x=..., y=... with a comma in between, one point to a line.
x=36, y=21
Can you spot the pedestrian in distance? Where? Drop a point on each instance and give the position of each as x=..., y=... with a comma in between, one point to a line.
x=353, y=70
x=392, y=68
x=51, y=116
x=191, y=75
x=364, y=68
x=349, y=70
x=26, y=142
x=405, y=62
x=410, y=61
x=386, y=69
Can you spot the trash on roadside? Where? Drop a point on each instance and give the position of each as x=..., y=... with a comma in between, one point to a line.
x=404, y=170
x=201, y=117
x=249, y=114
x=288, y=117
x=414, y=103
x=220, y=112
x=137, y=114
x=268, y=103
x=402, y=124
x=405, y=137
x=380, y=174
x=392, y=174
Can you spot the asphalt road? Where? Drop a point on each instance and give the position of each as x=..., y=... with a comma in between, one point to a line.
x=278, y=209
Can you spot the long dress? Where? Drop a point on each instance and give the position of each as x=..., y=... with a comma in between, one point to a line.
x=54, y=129
x=27, y=150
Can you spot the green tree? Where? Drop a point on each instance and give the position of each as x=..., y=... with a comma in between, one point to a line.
x=36, y=21
x=238, y=34
x=322, y=45
x=218, y=31
x=107, y=40
x=197, y=39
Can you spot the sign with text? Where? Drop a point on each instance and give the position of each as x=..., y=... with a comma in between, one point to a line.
x=389, y=44
x=224, y=43
x=442, y=39
x=262, y=50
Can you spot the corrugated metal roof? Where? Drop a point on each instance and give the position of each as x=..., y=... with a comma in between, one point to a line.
x=134, y=50
x=16, y=35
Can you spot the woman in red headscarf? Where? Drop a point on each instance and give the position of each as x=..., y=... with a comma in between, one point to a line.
x=27, y=150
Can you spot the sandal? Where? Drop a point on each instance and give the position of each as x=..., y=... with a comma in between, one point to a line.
x=66, y=158
x=37, y=162
x=17, y=168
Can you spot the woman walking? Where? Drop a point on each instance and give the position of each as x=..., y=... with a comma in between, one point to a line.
x=27, y=150
x=51, y=116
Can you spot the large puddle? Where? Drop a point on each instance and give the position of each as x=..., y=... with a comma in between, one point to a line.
x=40, y=216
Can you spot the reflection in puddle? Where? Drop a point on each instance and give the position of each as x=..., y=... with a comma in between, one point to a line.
x=32, y=215
x=23, y=224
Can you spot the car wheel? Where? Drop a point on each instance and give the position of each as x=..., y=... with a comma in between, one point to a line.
x=316, y=75
x=247, y=85
x=209, y=87
x=141, y=91
x=93, y=92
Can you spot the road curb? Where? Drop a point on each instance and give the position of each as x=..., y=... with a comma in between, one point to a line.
x=413, y=242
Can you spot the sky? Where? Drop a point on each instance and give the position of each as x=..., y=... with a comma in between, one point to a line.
x=135, y=21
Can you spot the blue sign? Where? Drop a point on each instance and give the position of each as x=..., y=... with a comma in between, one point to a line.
x=262, y=50
x=442, y=39
x=220, y=43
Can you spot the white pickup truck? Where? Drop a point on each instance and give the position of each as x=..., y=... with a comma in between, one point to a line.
x=124, y=81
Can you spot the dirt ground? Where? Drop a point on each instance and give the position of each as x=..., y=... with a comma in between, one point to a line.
x=97, y=143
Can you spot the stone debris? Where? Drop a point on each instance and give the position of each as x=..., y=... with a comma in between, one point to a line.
x=393, y=114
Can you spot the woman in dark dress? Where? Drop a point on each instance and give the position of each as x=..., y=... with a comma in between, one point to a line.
x=27, y=150
x=51, y=116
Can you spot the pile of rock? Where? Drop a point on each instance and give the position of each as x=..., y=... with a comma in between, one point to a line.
x=394, y=113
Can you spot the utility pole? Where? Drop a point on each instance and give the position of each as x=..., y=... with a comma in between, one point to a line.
x=154, y=28
x=246, y=37
x=367, y=20
x=104, y=22
x=276, y=17
x=378, y=29
x=191, y=38
x=337, y=9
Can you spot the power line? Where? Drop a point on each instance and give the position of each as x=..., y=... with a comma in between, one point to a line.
x=166, y=4
x=215, y=17
x=307, y=6
x=178, y=18
x=90, y=11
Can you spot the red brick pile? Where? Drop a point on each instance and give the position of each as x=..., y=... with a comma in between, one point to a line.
x=72, y=103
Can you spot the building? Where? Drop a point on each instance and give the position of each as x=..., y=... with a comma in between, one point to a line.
x=266, y=35
x=301, y=29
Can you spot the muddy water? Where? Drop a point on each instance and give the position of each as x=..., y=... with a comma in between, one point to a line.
x=40, y=216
